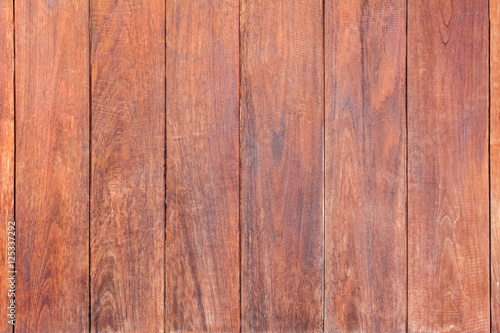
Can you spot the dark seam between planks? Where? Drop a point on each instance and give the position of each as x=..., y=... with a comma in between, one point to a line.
x=323, y=299
x=489, y=160
x=406, y=164
x=239, y=159
x=90, y=161
x=14, y=107
x=165, y=169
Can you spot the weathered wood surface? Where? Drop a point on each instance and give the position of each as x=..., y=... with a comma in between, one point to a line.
x=128, y=157
x=365, y=166
x=281, y=165
x=202, y=245
x=448, y=194
x=251, y=165
x=52, y=165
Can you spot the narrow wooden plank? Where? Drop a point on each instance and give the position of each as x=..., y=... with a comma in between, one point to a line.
x=202, y=248
x=282, y=165
x=448, y=190
x=495, y=161
x=52, y=165
x=128, y=156
x=365, y=166
x=6, y=157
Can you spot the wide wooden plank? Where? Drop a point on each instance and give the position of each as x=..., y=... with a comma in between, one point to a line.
x=6, y=158
x=495, y=161
x=202, y=247
x=282, y=165
x=128, y=156
x=365, y=166
x=448, y=187
x=52, y=165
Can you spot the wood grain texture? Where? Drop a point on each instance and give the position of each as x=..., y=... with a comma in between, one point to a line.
x=202, y=248
x=365, y=165
x=128, y=157
x=282, y=165
x=448, y=225
x=52, y=165
x=6, y=149
x=495, y=161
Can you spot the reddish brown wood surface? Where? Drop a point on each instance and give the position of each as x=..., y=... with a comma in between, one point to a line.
x=202, y=246
x=6, y=152
x=52, y=165
x=281, y=165
x=365, y=166
x=448, y=219
x=251, y=165
x=128, y=156
x=495, y=161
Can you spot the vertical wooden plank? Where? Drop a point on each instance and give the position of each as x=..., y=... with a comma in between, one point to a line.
x=52, y=165
x=128, y=151
x=6, y=152
x=282, y=165
x=448, y=205
x=202, y=248
x=365, y=166
x=495, y=161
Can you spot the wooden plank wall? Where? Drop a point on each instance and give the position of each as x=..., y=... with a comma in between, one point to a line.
x=52, y=165
x=448, y=186
x=251, y=165
x=6, y=153
x=365, y=166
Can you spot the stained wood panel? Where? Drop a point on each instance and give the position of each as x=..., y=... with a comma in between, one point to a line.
x=6, y=149
x=495, y=161
x=365, y=166
x=128, y=156
x=448, y=263
x=281, y=165
x=202, y=246
x=52, y=165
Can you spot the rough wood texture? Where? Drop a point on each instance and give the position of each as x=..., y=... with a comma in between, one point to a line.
x=202, y=249
x=495, y=161
x=52, y=165
x=128, y=156
x=6, y=150
x=282, y=165
x=365, y=163
x=448, y=166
